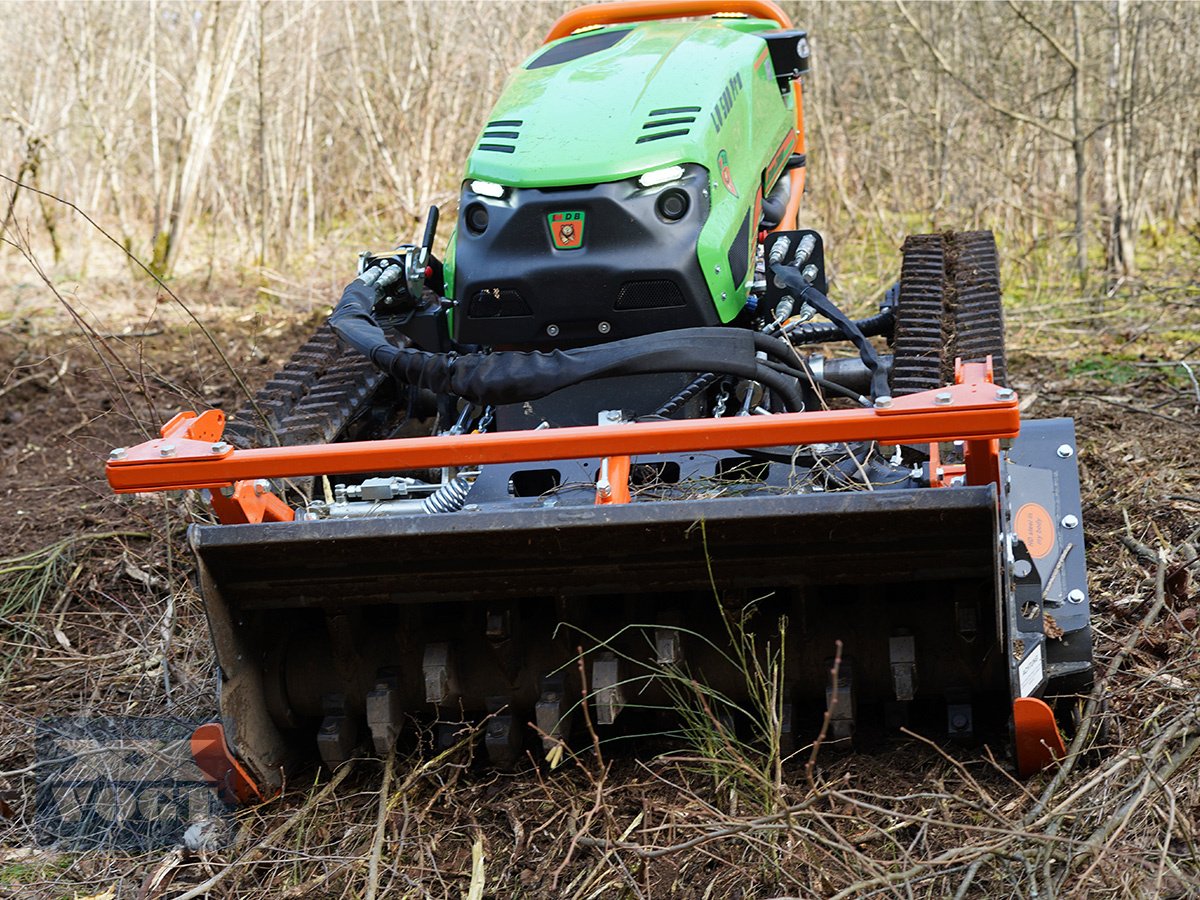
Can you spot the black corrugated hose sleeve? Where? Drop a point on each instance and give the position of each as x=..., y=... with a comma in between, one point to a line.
x=354, y=321
x=702, y=382
x=514, y=377
x=882, y=323
x=820, y=332
x=806, y=293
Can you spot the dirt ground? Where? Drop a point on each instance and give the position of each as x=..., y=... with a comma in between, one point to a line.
x=99, y=617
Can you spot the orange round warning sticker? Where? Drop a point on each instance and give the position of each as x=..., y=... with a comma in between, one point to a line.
x=1035, y=528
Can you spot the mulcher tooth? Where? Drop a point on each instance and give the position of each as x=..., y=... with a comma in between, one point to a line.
x=384, y=714
x=839, y=701
x=902, y=650
x=338, y=735
x=502, y=734
x=668, y=646
x=441, y=682
x=606, y=688
x=552, y=715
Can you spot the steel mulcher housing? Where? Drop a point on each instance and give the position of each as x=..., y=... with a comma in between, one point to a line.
x=553, y=468
x=441, y=582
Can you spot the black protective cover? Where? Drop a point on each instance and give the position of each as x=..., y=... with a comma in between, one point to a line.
x=636, y=272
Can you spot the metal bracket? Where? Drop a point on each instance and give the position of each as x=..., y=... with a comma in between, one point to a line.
x=612, y=482
x=249, y=502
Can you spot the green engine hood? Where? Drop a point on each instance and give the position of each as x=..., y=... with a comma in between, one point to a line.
x=605, y=114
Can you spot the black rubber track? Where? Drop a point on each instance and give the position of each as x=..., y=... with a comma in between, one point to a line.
x=949, y=306
x=312, y=399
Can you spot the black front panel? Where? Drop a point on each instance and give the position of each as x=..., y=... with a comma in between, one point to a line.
x=632, y=268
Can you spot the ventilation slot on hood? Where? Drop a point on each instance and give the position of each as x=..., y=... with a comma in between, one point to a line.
x=577, y=47
x=501, y=129
x=675, y=121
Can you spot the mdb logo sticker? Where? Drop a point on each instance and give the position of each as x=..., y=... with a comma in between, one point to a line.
x=726, y=177
x=566, y=229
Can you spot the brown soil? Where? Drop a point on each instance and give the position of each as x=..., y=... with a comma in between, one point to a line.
x=913, y=821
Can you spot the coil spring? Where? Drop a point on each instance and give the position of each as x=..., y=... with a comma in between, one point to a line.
x=450, y=497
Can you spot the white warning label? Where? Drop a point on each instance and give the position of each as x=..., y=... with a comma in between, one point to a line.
x=1030, y=672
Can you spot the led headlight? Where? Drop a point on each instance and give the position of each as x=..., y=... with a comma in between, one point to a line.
x=488, y=189
x=661, y=176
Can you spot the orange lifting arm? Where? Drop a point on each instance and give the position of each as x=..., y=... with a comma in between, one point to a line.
x=647, y=10
x=977, y=412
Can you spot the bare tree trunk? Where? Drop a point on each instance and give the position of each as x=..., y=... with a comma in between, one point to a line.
x=158, y=239
x=262, y=138
x=215, y=68
x=1079, y=150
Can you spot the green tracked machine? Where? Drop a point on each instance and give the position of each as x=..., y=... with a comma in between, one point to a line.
x=547, y=469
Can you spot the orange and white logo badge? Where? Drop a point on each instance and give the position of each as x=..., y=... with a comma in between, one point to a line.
x=1034, y=526
x=566, y=230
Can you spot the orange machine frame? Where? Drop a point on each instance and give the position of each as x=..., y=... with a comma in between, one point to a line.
x=599, y=14
x=190, y=455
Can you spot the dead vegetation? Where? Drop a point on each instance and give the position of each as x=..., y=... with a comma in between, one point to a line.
x=119, y=629
x=98, y=615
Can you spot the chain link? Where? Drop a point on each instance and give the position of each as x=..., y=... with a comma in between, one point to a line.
x=722, y=399
x=486, y=420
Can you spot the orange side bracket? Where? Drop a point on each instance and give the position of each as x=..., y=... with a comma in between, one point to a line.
x=981, y=457
x=613, y=483
x=220, y=767
x=249, y=503
x=1038, y=742
x=206, y=427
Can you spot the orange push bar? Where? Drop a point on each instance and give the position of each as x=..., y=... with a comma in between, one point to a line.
x=647, y=10
x=977, y=412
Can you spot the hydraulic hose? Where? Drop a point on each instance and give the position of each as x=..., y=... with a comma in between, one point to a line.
x=823, y=383
x=514, y=377
x=882, y=323
x=806, y=293
x=820, y=332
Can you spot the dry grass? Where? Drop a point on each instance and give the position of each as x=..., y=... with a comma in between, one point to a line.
x=120, y=631
x=96, y=621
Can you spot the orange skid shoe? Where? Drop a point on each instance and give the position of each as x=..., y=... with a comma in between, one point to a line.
x=1035, y=735
x=220, y=767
